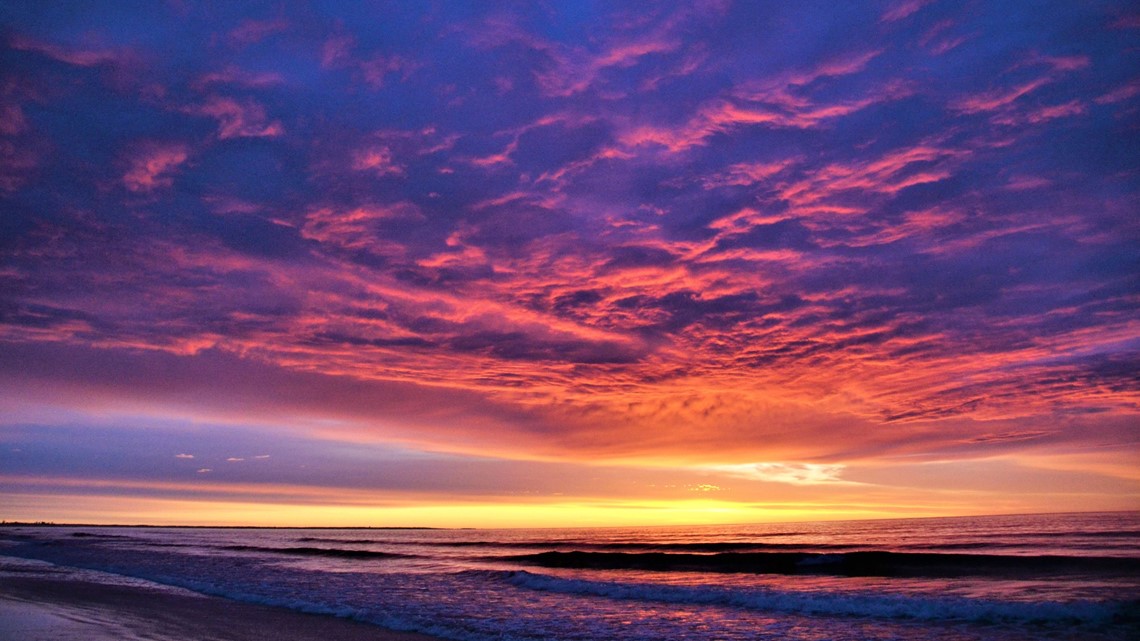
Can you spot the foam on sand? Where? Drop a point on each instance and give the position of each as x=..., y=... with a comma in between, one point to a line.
x=39, y=601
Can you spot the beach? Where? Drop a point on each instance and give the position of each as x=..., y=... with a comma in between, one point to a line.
x=59, y=605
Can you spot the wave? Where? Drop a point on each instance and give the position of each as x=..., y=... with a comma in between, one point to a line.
x=318, y=539
x=904, y=564
x=1115, y=534
x=718, y=546
x=894, y=606
x=310, y=551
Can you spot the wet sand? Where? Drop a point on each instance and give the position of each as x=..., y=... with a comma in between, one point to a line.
x=37, y=608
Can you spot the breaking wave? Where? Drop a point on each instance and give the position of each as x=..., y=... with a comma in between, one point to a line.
x=859, y=604
x=903, y=564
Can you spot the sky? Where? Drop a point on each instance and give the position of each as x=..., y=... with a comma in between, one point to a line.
x=567, y=263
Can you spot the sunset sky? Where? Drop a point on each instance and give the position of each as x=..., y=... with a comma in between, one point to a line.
x=567, y=263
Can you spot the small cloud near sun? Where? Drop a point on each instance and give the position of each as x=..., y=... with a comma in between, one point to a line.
x=793, y=473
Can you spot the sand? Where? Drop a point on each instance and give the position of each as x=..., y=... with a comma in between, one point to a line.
x=38, y=608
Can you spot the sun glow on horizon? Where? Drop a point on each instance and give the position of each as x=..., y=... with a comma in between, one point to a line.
x=332, y=508
x=167, y=512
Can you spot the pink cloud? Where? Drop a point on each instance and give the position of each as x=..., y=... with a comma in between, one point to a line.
x=1007, y=98
x=903, y=9
x=357, y=228
x=18, y=161
x=152, y=166
x=923, y=226
x=459, y=255
x=1127, y=21
x=1021, y=183
x=627, y=54
x=943, y=45
x=1064, y=63
x=690, y=63
x=253, y=31
x=1045, y=114
x=572, y=70
x=577, y=70
x=1120, y=94
x=337, y=50
x=73, y=56
x=232, y=75
x=225, y=205
x=713, y=118
x=840, y=66
x=745, y=219
x=377, y=160
x=887, y=175
x=12, y=121
x=244, y=119
x=998, y=98
x=501, y=158
x=559, y=177
x=776, y=103
x=376, y=69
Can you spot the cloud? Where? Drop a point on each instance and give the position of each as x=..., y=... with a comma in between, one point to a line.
x=998, y=98
x=78, y=56
x=235, y=76
x=12, y=121
x=360, y=228
x=793, y=473
x=904, y=9
x=152, y=165
x=788, y=100
x=238, y=118
x=377, y=160
x=253, y=30
x=184, y=456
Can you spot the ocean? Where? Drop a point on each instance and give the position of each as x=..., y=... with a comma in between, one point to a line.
x=1054, y=576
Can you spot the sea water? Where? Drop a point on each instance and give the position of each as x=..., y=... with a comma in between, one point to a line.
x=1059, y=576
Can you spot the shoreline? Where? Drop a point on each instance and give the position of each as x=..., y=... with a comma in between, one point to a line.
x=36, y=606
